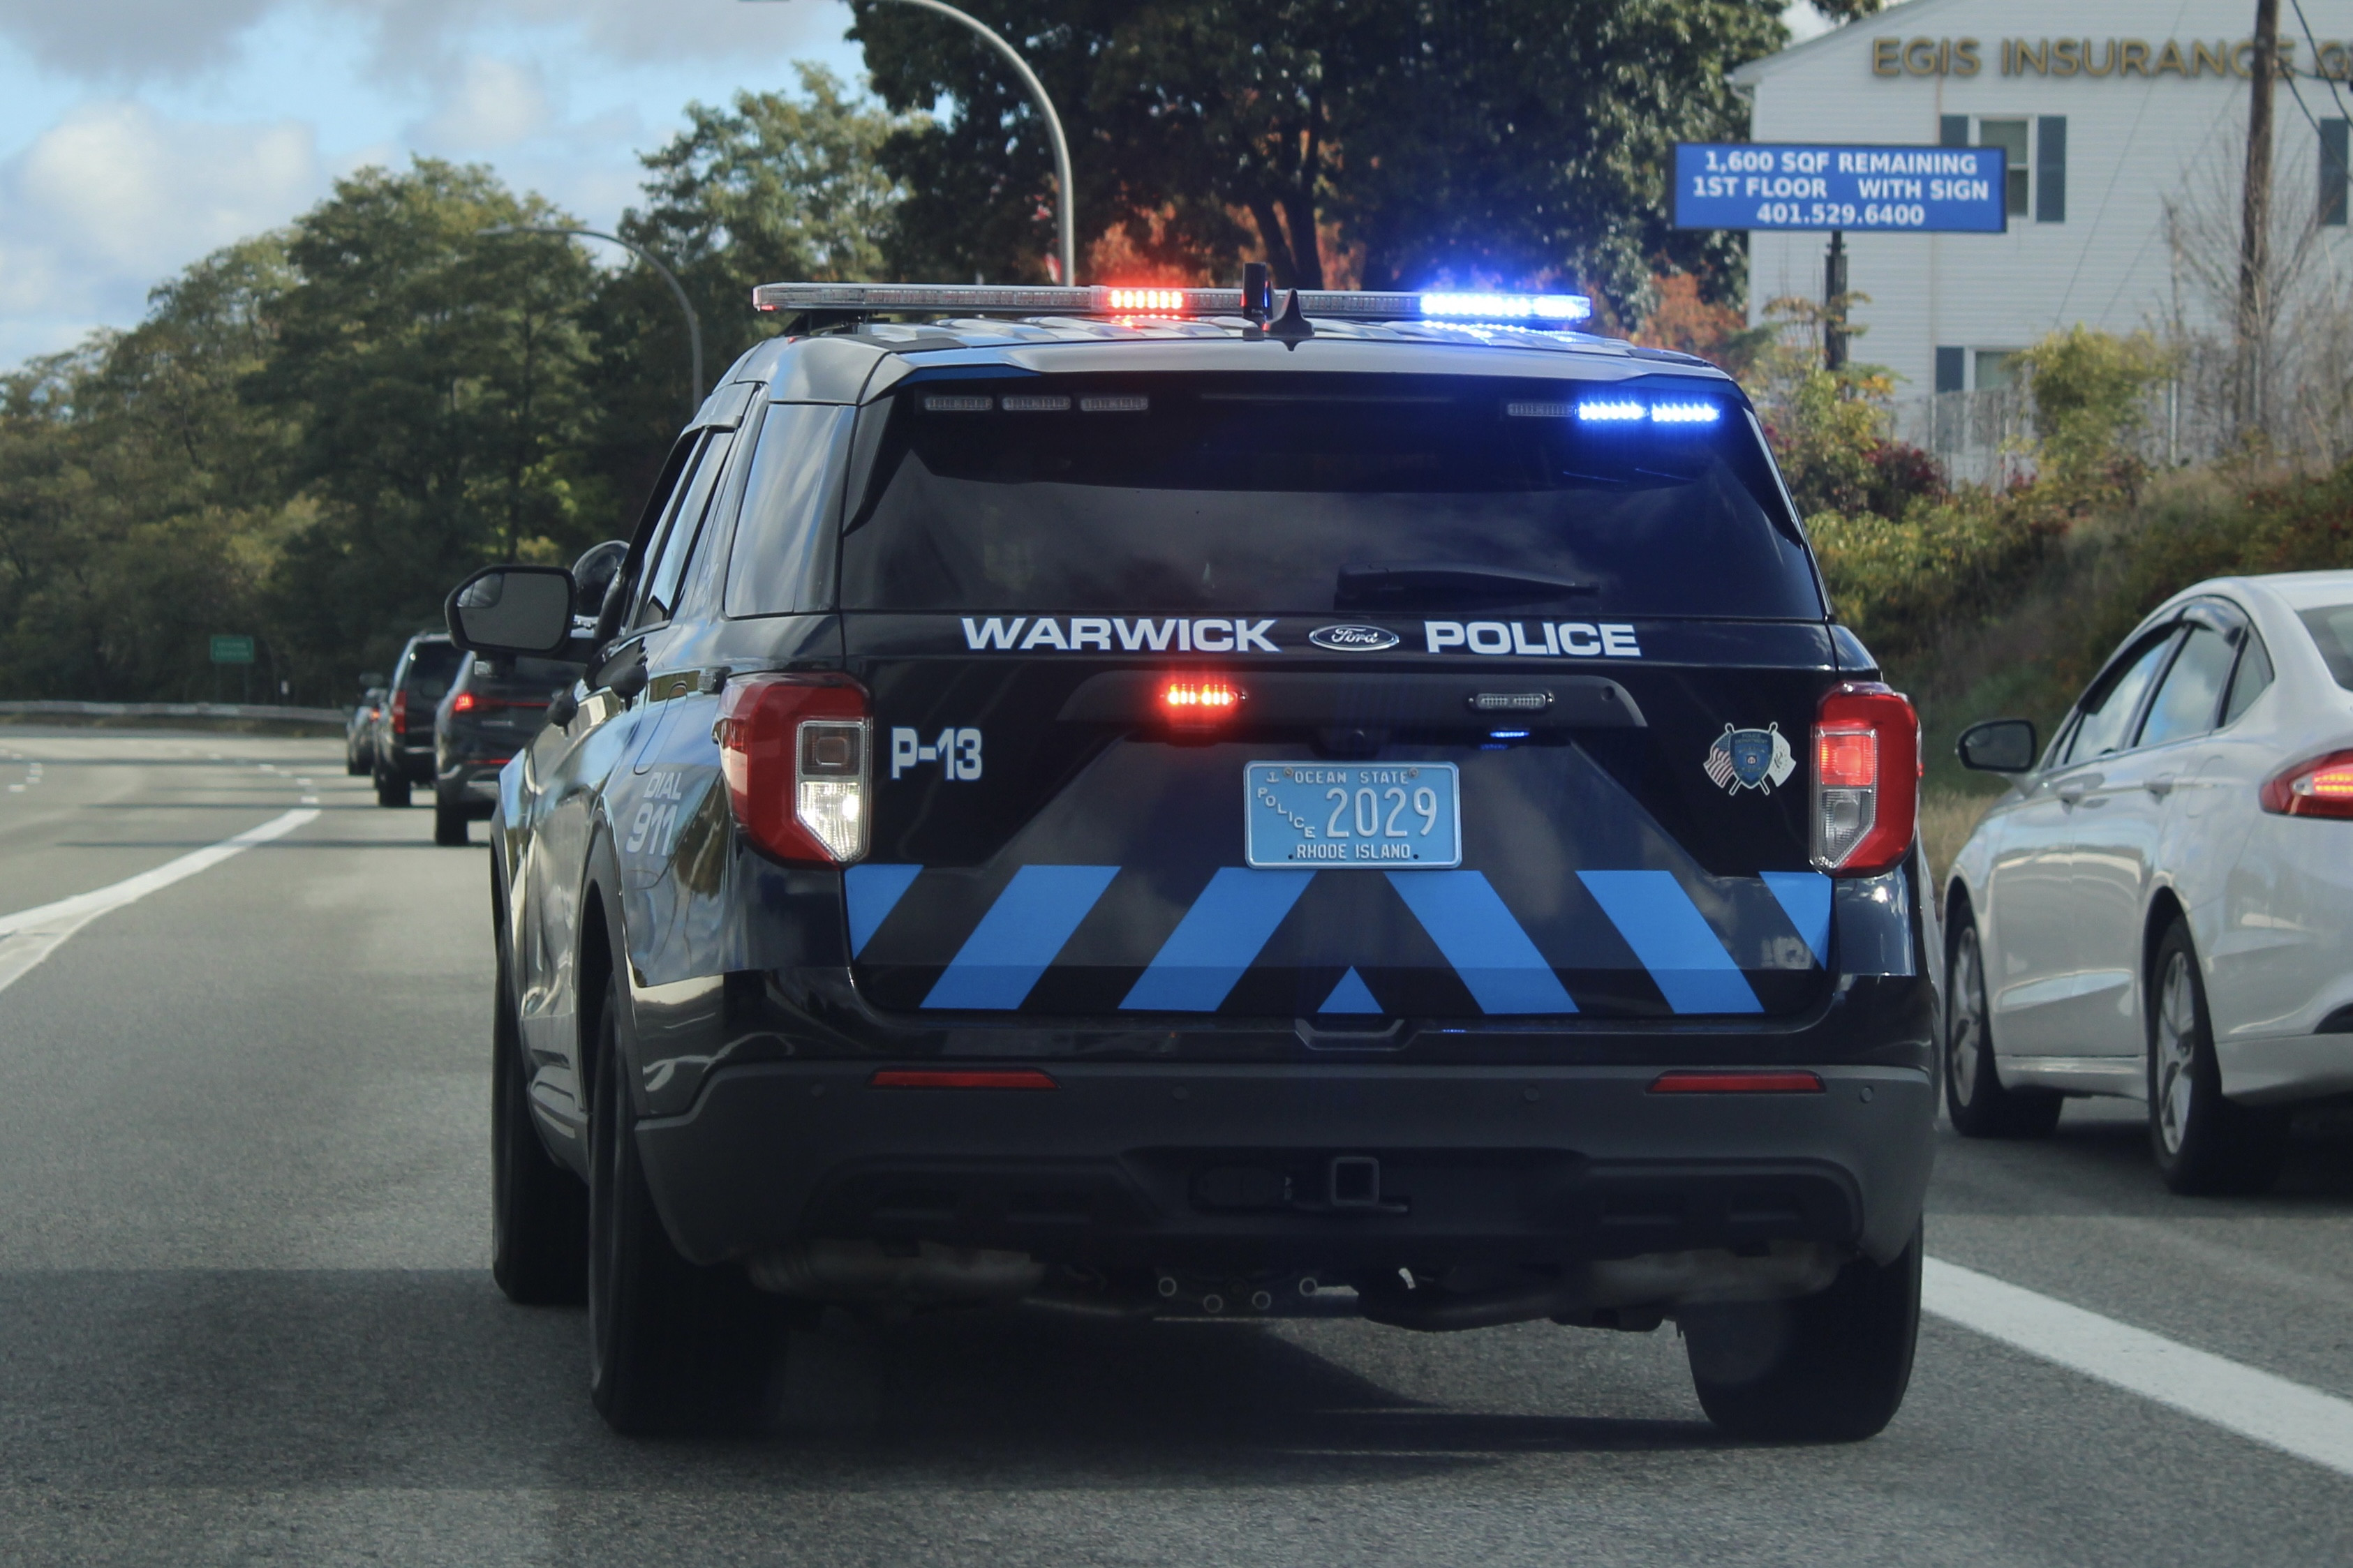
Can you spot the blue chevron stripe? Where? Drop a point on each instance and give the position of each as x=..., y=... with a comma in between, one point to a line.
x=1805, y=897
x=873, y=892
x=1686, y=957
x=1001, y=959
x=1218, y=938
x=1467, y=919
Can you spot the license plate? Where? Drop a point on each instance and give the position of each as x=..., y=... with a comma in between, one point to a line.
x=1382, y=816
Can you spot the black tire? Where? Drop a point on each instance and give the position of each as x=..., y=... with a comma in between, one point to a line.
x=2203, y=1143
x=354, y=763
x=539, y=1210
x=391, y=790
x=448, y=824
x=1828, y=1368
x=1974, y=1096
x=673, y=1346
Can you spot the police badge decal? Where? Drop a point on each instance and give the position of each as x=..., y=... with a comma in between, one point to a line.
x=1750, y=758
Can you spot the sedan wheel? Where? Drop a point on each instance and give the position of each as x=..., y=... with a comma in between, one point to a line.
x=1974, y=1096
x=2203, y=1143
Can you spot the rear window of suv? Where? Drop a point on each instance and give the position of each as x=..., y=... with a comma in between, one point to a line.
x=431, y=667
x=1311, y=494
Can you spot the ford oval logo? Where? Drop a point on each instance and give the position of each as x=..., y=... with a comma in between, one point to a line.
x=1354, y=639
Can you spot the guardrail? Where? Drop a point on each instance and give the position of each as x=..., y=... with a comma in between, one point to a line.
x=214, y=712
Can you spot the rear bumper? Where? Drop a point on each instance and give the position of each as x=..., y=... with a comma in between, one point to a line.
x=1206, y=1164
x=473, y=786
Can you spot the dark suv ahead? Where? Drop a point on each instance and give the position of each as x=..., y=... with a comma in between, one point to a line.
x=404, y=726
x=492, y=709
x=1205, y=814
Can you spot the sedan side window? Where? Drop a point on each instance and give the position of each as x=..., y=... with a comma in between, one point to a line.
x=2192, y=696
x=2250, y=680
x=2107, y=714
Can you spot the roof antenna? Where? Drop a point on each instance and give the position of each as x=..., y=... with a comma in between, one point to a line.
x=1290, y=328
x=1258, y=294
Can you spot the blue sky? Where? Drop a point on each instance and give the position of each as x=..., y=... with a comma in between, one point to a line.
x=136, y=135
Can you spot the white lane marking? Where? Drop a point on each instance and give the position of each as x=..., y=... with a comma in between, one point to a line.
x=30, y=935
x=2242, y=1399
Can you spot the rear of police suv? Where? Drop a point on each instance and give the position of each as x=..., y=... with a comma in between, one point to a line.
x=1366, y=819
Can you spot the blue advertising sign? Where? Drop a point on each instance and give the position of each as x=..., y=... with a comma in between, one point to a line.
x=1890, y=190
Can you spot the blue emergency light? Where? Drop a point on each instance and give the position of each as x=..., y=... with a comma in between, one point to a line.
x=1537, y=310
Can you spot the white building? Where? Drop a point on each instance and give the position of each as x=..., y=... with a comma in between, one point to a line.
x=2138, y=107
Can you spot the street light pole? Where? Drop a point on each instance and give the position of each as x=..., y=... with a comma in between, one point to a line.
x=693, y=322
x=1065, y=222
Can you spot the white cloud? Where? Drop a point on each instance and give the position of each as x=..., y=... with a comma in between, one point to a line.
x=113, y=197
x=115, y=39
x=493, y=103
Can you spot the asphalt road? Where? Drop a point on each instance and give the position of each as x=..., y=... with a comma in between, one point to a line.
x=246, y=1313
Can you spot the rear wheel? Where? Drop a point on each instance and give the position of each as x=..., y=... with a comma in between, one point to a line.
x=1974, y=1096
x=538, y=1211
x=391, y=790
x=448, y=822
x=2203, y=1142
x=672, y=1345
x=1829, y=1368
x=354, y=763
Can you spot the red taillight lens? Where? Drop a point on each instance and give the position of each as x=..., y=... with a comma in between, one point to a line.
x=2322, y=787
x=1866, y=779
x=793, y=750
x=1186, y=700
x=400, y=712
x=462, y=703
x=962, y=1077
x=1701, y=1081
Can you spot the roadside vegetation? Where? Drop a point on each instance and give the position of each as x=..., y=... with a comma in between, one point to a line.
x=1985, y=604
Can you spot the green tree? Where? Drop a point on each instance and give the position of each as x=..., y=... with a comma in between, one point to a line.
x=778, y=188
x=438, y=381
x=1465, y=140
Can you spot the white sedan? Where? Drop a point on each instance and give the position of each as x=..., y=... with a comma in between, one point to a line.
x=2159, y=908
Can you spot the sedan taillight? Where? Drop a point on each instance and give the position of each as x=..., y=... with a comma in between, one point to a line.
x=795, y=751
x=2320, y=786
x=1866, y=779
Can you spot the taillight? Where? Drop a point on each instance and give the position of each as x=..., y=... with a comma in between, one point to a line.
x=1742, y=1081
x=2321, y=786
x=1187, y=701
x=400, y=712
x=462, y=703
x=1866, y=779
x=794, y=748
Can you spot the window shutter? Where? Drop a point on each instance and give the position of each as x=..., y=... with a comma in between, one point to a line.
x=2333, y=151
x=1953, y=131
x=1948, y=370
x=2050, y=169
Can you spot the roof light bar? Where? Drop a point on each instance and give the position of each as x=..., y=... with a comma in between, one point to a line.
x=1544, y=311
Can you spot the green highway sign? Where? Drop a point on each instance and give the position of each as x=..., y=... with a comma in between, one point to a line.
x=232, y=650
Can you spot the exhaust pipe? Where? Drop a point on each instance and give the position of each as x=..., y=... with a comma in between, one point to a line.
x=862, y=1271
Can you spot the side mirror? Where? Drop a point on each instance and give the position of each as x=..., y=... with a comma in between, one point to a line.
x=595, y=572
x=512, y=610
x=1998, y=746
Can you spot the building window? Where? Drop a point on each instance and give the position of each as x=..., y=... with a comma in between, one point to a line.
x=2035, y=155
x=1994, y=370
x=2010, y=135
x=1952, y=369
x=2333, y=151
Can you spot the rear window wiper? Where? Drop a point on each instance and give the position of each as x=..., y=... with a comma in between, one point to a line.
x=1391, y=583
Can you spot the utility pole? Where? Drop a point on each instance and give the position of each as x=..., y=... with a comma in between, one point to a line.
x=1834, y=303
x=2255, y=216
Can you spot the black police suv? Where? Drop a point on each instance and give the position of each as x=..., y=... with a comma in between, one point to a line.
x=490, y=711
x=1203, y=814
x=404, y=727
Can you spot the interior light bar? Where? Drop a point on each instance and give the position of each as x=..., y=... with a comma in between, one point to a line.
x=1622, y=409
x=1544, y=311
